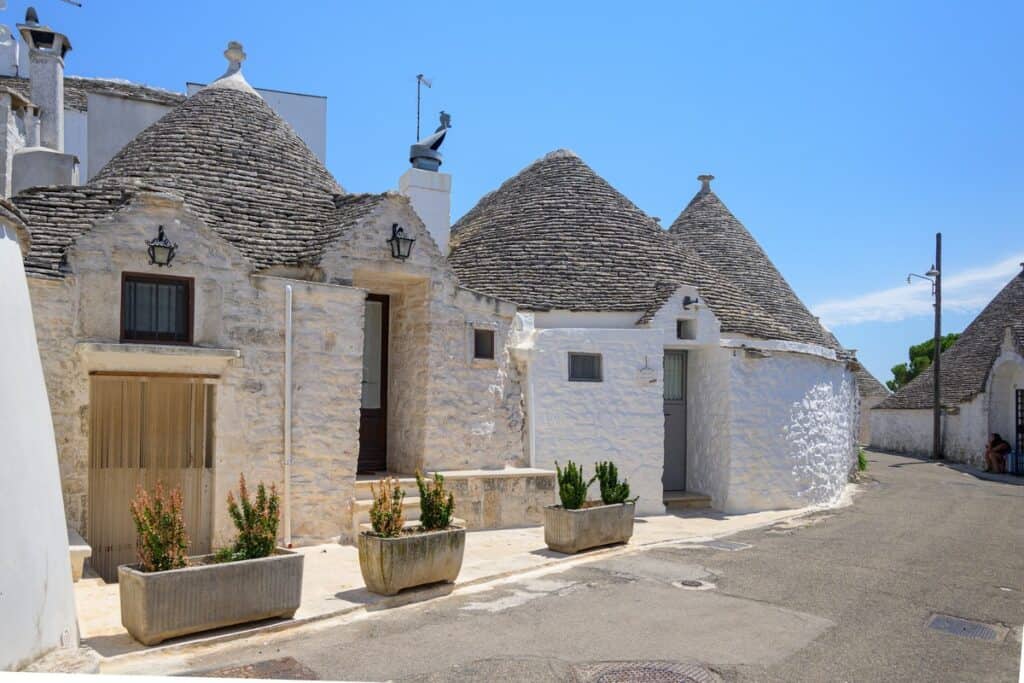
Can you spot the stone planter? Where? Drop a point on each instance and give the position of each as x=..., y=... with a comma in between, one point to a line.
x=412, y=559
x=156, y=606
x=570, y=531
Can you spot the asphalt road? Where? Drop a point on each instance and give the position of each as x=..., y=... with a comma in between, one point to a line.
x=839, y=595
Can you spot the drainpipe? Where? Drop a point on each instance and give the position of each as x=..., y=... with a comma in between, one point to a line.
x=288, y=416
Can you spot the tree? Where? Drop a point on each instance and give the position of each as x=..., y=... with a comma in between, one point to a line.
x=921, y=356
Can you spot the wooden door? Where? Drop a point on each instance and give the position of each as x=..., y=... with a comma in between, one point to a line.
x=143, y=430
x=674, y=477
x=373, y=413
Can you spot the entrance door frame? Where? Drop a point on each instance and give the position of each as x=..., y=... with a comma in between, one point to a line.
x=363, y=463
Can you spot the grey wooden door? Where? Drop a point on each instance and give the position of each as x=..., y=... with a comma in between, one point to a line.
x=674, y=478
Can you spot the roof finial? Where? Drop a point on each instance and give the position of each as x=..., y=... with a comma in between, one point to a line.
x=235, y=56
x=31, y=16
x=705, y=183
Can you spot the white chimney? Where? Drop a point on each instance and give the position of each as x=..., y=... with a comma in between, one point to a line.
x=430, y=191
x=46, y=50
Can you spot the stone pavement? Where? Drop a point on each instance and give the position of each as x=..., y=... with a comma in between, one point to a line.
x=332, y=583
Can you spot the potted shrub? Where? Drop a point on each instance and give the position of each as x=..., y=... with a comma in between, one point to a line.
x=394, y=556
x=167, y=594
x=578, y=524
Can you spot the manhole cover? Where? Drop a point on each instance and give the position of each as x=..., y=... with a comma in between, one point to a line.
x=965, y=628
x=690, y=583
x=646, y=672
x=286, y=668
x=726, y=545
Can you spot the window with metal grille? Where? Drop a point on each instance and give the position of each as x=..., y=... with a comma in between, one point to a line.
x=483, y=344
x=584, y=367
x=156, y=308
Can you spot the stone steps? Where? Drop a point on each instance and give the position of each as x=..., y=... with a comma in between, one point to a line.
x=361, y=510
x=686, y=500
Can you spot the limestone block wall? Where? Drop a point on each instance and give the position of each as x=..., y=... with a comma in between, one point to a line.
x=793, y=428
x=446, y=410
x=620, y=418
x=501, y=500
x=234, y=311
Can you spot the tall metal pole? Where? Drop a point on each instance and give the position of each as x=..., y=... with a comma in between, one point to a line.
x=419, y=79
x=937, y=363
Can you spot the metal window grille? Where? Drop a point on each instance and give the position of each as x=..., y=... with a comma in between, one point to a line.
x=156, y=310
x=585, y=367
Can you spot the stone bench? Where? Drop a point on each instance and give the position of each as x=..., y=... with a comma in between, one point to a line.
x=79, y=550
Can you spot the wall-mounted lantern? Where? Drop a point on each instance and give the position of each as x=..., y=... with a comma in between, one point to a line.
x=401, y=246
x=161, y=250
x=689, y=301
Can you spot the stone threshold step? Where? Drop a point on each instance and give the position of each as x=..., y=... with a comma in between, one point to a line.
x=685, y=500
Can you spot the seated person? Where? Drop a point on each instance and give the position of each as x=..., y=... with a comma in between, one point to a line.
x=995, y=454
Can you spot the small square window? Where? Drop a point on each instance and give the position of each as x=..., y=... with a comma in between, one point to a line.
x=584, y=367
x=156, y=308
x=483, y=344
x=686, y=329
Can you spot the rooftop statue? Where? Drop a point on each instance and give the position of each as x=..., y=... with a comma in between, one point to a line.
x=424, y=154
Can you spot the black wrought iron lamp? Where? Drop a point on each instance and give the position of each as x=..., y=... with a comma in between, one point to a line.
x=401, y=246
x=161, y=250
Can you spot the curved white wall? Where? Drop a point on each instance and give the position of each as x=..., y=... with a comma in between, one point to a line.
x=794, y=425
x=37, y=610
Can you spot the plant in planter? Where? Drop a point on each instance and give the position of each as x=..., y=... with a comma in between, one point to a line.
x=168, y=594
x=394, y=556
x=578, y=524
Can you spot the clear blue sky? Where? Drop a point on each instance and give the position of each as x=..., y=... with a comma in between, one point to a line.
x=842, y=134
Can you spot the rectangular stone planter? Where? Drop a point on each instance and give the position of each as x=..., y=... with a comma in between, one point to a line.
x=156, y=606
x=415, y=559
x=570, y=531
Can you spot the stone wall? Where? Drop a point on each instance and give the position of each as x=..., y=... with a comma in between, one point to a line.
x=620, y=418
x=447, y=411
x=964, y=432
x=794, y=424
x=232, y=311
x=501, y=500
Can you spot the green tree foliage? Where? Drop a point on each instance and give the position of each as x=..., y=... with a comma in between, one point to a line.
x=572, y=489
x=612, y=490
x=255, y=523
x=921, y=356
x=160, y=539
x=386, y=514
x=436, y=504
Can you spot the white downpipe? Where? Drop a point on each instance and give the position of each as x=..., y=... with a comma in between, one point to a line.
x=531, y=415
x=288, y=416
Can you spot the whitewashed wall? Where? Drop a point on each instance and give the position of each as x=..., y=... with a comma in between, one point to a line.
x=794, y=421
x=964, y=433
x=37, y=609
x=620, y=418
x=1006, y=377
x=709, y=424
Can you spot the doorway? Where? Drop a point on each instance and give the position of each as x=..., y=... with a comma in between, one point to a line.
x=144, y=430
x=1019, y=446
x=373, y=411
x=674, y=477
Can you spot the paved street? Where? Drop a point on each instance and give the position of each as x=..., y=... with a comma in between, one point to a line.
x=839, y=595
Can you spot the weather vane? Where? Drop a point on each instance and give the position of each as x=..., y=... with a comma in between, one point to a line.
x=420, y=80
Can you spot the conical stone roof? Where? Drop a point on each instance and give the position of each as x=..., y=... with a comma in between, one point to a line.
x=966, y=364
x=557, y=236
x=708, y=226
x=237, y=165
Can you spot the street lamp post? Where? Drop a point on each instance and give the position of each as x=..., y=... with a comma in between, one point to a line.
x=934, y=276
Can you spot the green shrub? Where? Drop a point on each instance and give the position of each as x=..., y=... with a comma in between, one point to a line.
x=255, y=523
x=612, y=490
x=160, y=540
x=572, y=489
x=862, y=460
x=436, y=504
x=386, y=515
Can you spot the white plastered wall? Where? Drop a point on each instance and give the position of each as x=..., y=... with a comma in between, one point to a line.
x=37, y=609
x=619, y=418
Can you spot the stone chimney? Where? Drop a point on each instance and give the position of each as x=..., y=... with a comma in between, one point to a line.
x=428, y=189
x=46, y=50
x=43, y=161
x=8, y=52
x=705, y=182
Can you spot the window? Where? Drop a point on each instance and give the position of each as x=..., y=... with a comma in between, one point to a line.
x=483, y=344
x=686, y=329
x=584, y=367
x=156, y=308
